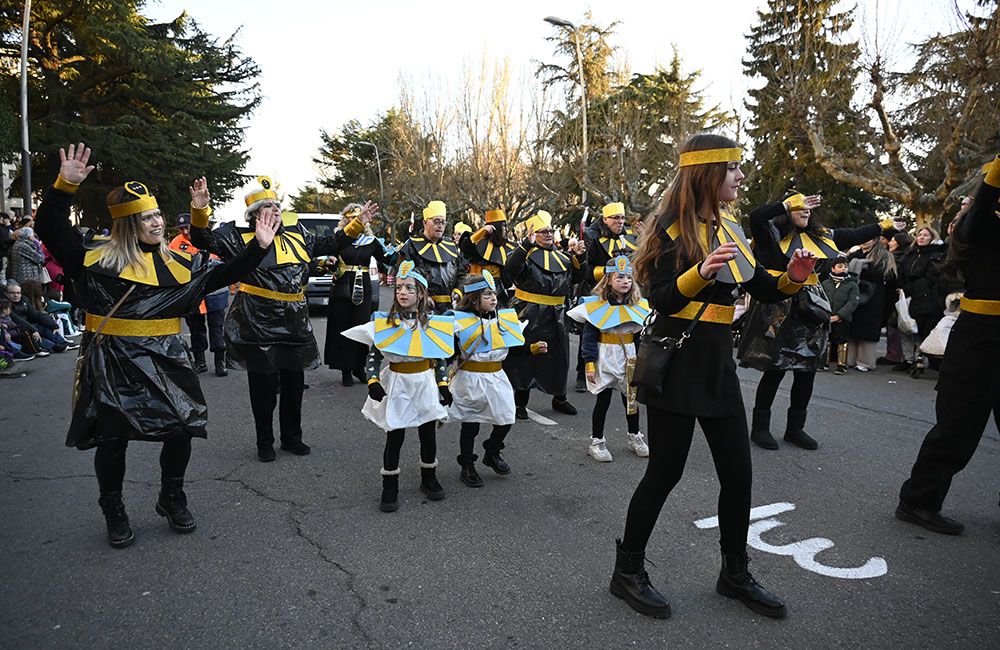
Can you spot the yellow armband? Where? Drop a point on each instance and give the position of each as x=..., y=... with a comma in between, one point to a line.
x=690, y=282
x=199, y=216
x=64, y=185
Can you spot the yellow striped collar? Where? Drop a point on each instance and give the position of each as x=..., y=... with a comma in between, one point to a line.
x=157, y=272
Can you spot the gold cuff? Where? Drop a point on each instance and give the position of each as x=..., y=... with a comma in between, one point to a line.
x=795, y=202
x=355, y=228
x=590, y=366
x=442, y=383
x=373, y=380
x=993, y=173
x=887, y=224
x=199, y=216
x=690, y=282
x=787, y=285
x=478, y=235
x=64, y=185
x=536, y=348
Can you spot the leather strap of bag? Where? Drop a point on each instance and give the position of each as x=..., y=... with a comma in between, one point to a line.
x=111, y=313
x=694, y=321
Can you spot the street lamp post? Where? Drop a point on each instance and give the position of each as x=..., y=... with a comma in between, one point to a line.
x=561, y=22
x=25, y=150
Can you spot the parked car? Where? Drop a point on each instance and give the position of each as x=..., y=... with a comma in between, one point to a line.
x=318, y=289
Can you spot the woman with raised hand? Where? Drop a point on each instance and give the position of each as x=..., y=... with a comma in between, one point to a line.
x=692, y=256
x=135, y=381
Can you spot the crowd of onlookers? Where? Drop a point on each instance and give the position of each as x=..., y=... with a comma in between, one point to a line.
x=35, y=320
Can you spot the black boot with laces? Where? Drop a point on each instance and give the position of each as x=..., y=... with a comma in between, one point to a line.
x=120, y=532
x=172, y=504
x=630, y=582
x=736, y=581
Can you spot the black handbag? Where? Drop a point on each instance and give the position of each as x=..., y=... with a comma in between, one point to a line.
x=654, y=353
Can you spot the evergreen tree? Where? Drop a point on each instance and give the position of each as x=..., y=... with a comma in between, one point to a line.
x=158, y=103
x=796, y=48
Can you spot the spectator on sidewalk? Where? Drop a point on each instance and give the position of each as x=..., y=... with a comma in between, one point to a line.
x=876, y=272
x=28, y=262
x=842, y=290
x=35, y=324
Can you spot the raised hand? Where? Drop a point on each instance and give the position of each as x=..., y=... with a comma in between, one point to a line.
x=813, y=202
x=638, y=226
x=267, y=225
x=73, y=165
x=579, y=247
x=489, y=229
x=803, y=263
x=368, y=211
x=199, y=193
x=717, y=259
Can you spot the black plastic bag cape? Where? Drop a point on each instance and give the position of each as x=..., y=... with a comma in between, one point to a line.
x=782, y=336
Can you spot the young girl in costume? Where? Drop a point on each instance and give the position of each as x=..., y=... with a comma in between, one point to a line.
x=611, y=317
x=413, y=390
x=482, y=393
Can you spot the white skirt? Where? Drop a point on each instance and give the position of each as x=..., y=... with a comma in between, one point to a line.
x=484, y=397
x=411, y=400
x=611, y=359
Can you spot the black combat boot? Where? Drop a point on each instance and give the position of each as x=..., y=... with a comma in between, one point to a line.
x=172, y=504
x=760, y=429
x=794, y=433
x=428, y=481
x=630, y=582
x=220, y=364
x=199, y=362
x=120, y=533
x=493, y=459
x=735, y=581
x=390, y=490
x=469, y=475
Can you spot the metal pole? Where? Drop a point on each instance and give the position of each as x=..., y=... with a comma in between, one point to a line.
x=25, y=149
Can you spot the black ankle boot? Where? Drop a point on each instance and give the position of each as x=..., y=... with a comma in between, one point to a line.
x=390, y=492
x=493, y=459
x=120, y=533
x=735, y=581
x=172, y=504
x=469, y=475
x=220, y=364
x=760, y=429
x=794, y=431
x=561, y=405
x=429, y=484
x=346, y=378
x=630, y=582
x=199, y=362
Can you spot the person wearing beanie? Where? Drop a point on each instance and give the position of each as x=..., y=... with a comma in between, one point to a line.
x=842, y=290
x=544, y=277
x=267, y=328
x=792, y=334
x=351, y=298
x=206, y=323
x=134, y=381
x=968, y=388
x=436, y=257
x=487, y=249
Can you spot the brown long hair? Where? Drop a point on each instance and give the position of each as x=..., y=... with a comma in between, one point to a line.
x=693, y=186
x=422, y=307
x=470, y=299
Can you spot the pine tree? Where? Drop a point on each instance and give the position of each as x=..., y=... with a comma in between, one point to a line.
x=796, y=48
x=158, y=103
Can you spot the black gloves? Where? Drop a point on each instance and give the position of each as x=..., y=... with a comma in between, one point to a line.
x=445, y=395
x=375, y=391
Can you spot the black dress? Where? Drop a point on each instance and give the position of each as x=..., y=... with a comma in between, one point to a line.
x=791, y=334
x=136, y=382
x=268, y=328
x=544, y=279
x=343, y=312
x=439, y=262
x=484, y=254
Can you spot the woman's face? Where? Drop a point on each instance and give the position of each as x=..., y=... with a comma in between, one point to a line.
x=487, y=301
x=406, y=293
x=621, y=283
x=892, y=245
x=924, y=237
x=867, y=246
x=731, y=184
x=800, y=218
x=150, y=227
x=270, y=208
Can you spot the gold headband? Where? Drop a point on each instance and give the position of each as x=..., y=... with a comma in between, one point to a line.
x=707, y=156
x=143, y=201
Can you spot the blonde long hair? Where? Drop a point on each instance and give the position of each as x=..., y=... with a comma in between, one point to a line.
x=123, y=251
x=693, y=186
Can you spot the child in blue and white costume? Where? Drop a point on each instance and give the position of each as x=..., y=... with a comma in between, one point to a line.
x=611, y=317
x=413, y=390
x=482, y=393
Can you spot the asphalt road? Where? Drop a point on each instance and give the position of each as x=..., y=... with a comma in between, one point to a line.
x=295, y=554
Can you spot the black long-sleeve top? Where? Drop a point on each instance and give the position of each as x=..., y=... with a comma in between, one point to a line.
x=979, y=230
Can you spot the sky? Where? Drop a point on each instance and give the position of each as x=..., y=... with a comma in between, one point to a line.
x=324, y=63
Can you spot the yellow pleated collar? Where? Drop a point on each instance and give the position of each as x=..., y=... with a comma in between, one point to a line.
x=289, y=248
x=157, y=272
x=549, y=260
x=442, y=252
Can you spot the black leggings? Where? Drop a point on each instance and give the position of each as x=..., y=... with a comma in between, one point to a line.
x=109, y=462
x=467, y=440
x=802, y=389
x=670, y=437
x=394, y=442
x=601, y=412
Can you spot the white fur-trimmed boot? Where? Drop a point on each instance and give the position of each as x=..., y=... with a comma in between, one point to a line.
x=428, y=481
x=390, y=490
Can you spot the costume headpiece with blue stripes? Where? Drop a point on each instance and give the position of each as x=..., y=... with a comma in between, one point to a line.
x=620, y=264
x=486, y=283
x=407, y=269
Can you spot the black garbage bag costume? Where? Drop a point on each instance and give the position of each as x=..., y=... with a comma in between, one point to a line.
x=439, y=262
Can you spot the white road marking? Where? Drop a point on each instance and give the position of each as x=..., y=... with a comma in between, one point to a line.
x=760, y=512
x=540, y=419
